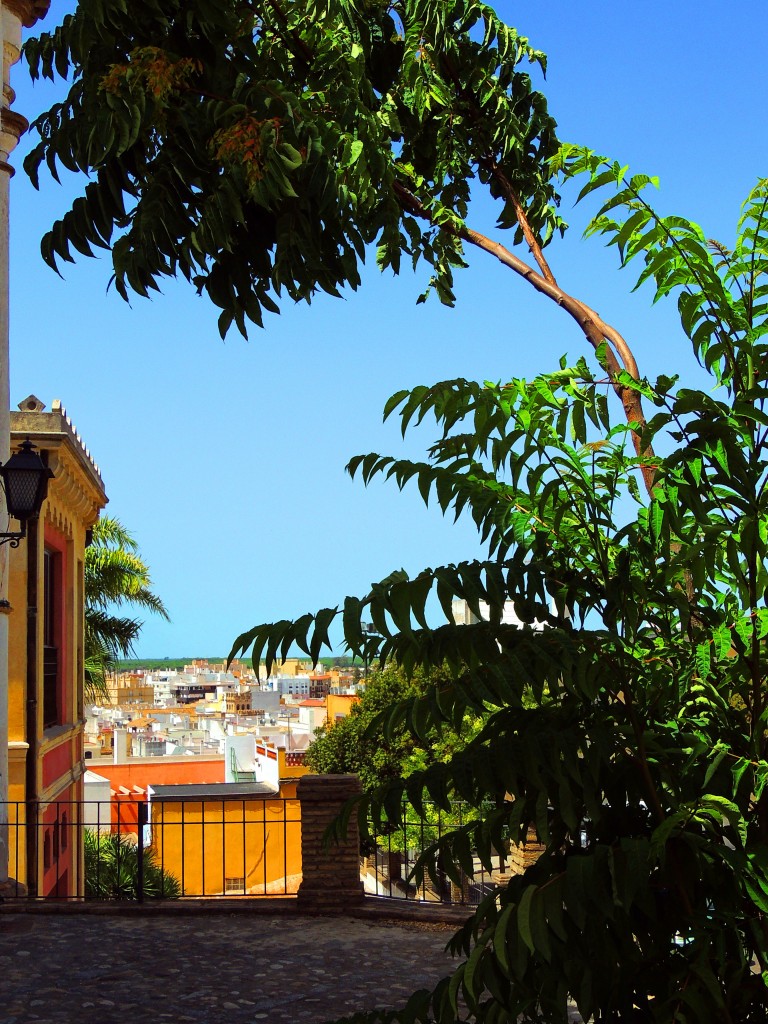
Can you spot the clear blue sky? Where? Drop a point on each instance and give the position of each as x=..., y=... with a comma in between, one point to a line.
x=227, y=460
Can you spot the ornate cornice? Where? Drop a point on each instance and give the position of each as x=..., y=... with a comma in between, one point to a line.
x=14, y=123
x=31, y=419
x=28, y=11
x=70, y=494
x=76, y=491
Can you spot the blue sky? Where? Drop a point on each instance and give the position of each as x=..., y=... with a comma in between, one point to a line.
x=226, y=460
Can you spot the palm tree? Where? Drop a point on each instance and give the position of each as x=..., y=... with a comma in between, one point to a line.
x=115, y=576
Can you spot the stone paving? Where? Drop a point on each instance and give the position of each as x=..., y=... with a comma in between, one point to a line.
x=210, y=968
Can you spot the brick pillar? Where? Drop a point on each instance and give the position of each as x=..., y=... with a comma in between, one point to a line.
x=521, y=857
x=330, y=877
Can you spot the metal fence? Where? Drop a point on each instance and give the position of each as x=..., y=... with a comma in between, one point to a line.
x=132, y=849
x=387, y=871
x=135, y=850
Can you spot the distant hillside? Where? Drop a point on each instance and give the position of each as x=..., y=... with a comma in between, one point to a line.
x=148, y=664
x=131, y=664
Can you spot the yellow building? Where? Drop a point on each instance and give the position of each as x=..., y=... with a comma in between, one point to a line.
x=239, y=703
x=233, y=838
x=293, y=667
x=130, y=688
x=339, y=705
x=227, y=839
x=45, y=662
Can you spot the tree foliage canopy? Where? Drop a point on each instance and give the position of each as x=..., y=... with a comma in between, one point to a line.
x=359, y=743
x=258, y=149
x=642, y=759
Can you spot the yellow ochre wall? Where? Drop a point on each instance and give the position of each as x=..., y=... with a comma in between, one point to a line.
x=75, y=497
x=256, y=839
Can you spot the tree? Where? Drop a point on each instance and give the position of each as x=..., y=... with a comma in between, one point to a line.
x=359, y=744
x=642, y=758
x=259, y=149
x=115, y=576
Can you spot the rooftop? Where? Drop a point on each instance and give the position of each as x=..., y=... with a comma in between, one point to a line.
x=215, y=790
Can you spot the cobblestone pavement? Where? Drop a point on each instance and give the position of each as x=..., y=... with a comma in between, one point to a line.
x=232, y=968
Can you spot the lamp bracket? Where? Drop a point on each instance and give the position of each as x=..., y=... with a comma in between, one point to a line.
x=14, y=538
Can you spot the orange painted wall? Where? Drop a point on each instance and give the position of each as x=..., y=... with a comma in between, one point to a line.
x=124, y=813
x=204, y=843
x=160, y=772
x=339, y=704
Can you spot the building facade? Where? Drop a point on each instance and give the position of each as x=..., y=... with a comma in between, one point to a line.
x=46, y=654
x=16, y=14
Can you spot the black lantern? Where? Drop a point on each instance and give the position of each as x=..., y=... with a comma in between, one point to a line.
x=25, y=481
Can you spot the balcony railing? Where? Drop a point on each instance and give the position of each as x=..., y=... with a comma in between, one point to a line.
x=170, y=849
x=388, y=869
x=213, y=847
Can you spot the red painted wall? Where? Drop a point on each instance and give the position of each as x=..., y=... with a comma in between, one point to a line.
x=58, y=840
x=57, y=542
x=57, y=762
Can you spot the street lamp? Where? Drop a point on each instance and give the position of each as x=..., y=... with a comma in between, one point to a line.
x=25, y=482
x=368, y=629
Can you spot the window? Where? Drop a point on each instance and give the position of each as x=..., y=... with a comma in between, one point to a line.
x=51, y=628
x=234, y=885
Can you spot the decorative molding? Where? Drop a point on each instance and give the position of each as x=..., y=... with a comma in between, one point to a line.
x=28, y=11
x=30, y=421
x=54, y=791
x=57, y=407
x=76, y=491
x=14, y=123
x=57, y=735
x=70, y=490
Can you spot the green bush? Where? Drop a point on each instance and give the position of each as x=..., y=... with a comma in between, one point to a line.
x=112, y=870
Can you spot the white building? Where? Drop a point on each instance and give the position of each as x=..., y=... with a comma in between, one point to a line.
x=296, y=686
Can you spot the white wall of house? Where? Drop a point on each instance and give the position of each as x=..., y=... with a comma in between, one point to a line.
x=311, y=717
x=265, y=700
x=240, y=752
x=97, y=811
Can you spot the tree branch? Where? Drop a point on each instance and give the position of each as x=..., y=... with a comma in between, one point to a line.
x=533, y=243
x=295, y=43
x=592, y=330
x=609, y=333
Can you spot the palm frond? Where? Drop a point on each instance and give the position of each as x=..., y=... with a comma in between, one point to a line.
x=115, y=576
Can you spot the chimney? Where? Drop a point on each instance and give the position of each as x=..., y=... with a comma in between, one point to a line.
x=120, y=746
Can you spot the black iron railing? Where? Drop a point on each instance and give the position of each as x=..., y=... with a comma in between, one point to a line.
x=388, y=869
x=169, y=849
x=126, y=848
